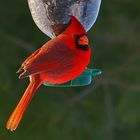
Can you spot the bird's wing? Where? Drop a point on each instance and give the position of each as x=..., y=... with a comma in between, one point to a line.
x=55, y=58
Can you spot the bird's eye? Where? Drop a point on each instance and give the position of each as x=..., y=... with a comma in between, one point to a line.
x=83, y=40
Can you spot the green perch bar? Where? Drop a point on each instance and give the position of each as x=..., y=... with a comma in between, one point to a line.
x=84, y=79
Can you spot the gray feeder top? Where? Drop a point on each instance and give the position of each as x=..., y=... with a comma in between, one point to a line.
x=52, y=16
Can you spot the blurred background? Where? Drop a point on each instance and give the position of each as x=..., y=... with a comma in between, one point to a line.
x=109, y=109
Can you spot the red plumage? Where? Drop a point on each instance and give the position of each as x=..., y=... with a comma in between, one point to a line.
x=58, y=61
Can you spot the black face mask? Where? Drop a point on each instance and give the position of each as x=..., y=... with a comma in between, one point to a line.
x=80, y=46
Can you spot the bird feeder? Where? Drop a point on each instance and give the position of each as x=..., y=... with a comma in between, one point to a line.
x=52, y=18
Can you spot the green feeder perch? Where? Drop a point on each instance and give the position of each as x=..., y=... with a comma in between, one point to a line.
x=84, y=79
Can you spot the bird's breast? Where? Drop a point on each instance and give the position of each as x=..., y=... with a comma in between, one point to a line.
x=66, y=74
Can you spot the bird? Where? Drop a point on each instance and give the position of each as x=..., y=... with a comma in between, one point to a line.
x=58, y=61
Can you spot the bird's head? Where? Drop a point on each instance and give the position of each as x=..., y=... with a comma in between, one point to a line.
x=77, y=31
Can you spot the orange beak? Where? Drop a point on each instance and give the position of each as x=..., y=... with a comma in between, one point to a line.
x=83, y=40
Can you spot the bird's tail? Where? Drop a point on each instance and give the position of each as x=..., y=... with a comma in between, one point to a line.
x=22, y=105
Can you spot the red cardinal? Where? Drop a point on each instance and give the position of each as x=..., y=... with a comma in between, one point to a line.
x=58, y=61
